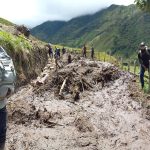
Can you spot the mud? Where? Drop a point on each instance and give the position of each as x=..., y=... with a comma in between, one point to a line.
x=108, y=115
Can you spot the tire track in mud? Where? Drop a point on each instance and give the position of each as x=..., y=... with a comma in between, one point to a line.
x=103, y=118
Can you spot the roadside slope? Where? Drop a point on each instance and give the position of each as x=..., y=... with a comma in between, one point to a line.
x=29, y=55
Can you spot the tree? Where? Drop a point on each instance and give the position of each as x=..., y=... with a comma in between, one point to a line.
x=143, y=4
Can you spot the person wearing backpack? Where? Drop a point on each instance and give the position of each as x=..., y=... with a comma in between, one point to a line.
x=7, y=79
x=144, y=58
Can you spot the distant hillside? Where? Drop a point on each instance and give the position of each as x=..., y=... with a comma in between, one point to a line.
x=118, y=29
x=47, y=29
x=29, y=55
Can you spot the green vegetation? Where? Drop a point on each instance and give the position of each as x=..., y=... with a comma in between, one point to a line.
x=29, y=55
x=6, y=22
x=47, y=29
x=14, y=43
x=143, y=4
x=117, y=29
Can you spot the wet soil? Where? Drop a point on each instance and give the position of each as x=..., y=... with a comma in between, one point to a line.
x=109, y=113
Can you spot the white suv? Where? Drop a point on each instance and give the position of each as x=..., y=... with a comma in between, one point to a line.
x=7, y=74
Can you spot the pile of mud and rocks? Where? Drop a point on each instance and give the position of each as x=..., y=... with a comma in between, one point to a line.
x=77, y=77
x=83, y=105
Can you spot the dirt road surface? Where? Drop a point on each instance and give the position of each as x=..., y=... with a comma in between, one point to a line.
x=105, y=117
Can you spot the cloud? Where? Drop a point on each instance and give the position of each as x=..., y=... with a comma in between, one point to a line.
x=33, y=12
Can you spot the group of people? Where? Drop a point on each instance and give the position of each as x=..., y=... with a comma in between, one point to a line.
x=143, y=56
x=55, y=53
x=84, y=51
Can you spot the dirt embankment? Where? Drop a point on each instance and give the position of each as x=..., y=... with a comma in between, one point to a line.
x=103, y=116
x=29, y=54
x=29, y=65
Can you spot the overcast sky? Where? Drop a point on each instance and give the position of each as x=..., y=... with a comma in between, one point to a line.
x=34, y=12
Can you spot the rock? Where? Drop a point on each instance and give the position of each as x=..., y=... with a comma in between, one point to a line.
x=83, y=124
x=148, y=114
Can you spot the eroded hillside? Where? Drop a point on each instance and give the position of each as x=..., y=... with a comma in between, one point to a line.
x=29, y=55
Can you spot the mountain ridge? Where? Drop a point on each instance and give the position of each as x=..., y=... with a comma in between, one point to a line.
x=118, y=29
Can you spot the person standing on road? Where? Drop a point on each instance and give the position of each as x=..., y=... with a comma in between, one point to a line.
x=69, y=59
x=50, y=50
x=63, y=51
x=144, y=58
x=92, y=52
x=84, y=51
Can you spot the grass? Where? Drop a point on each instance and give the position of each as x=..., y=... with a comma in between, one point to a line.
x=14, y=43
x=6, y=22
x=17, y=47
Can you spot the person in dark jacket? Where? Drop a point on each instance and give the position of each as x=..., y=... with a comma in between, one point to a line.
x=84, y=51
x=50, y=50
x=57, y=53
x=63, y=50
x=144, y=58
x=92, y=52
x=69, y=59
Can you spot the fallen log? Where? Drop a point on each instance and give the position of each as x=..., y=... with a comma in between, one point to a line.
x=42, y=80
x=63, y=85
x=85, y=82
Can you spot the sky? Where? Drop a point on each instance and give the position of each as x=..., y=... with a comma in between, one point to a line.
x=35, y=12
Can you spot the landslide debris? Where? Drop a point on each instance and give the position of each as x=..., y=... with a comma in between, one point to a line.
x=77, y=77
x=46, y=115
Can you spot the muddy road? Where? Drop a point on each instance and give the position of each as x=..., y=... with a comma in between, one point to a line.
x=103, y=117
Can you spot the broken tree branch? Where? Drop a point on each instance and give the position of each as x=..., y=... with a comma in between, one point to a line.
x=63, y=85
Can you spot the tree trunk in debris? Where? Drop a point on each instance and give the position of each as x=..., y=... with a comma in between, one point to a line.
x=62, y=87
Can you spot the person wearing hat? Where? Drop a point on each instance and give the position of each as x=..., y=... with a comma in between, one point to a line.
x=144, y=58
